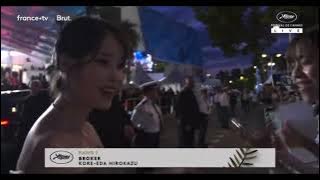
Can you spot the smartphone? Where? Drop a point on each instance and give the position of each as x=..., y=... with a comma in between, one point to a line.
x=269, y=113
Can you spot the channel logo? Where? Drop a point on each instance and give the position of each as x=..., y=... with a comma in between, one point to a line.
x=61, y=157
x=286, y=17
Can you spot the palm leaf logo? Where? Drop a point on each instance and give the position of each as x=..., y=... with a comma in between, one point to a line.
x=240, y=157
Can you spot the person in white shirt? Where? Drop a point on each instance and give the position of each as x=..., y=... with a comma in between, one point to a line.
x=217, y=102
x=147, y=117
x=204, y=104
x=224, y=108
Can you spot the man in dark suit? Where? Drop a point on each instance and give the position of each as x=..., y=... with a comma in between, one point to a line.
x=113, y=126
x=188, y=114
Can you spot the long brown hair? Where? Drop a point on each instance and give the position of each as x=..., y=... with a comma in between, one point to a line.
x=82, y=37
x=311, y=36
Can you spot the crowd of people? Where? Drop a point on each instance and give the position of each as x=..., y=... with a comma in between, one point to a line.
x=85, y=110
x=12, y=80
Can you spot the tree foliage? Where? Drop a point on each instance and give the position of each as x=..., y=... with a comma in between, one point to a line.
x=246, y=30
x=159, y=66
x=235, y=73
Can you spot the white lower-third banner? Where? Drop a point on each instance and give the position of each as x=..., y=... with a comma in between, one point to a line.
x=160, y=157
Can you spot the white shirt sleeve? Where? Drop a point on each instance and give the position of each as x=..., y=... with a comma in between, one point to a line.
x=317, y=138
x=138, y=117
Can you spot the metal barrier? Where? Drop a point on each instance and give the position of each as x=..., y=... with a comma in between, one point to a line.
x=130, y=103
x=15, y=91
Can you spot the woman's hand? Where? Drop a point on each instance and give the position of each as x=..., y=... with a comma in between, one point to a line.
x=293, y=138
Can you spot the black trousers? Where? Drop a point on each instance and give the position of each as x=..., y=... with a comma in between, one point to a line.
x=187, y=136
x=245, y=105
x=203, y=129
x=224, y=117
x=233, y=109
x=218, y=110
x=147, y=140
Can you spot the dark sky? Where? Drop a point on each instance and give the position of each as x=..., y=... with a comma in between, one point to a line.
x=184, y=14
x=214, y=56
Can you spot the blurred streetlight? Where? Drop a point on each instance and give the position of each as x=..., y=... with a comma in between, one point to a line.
x=241, y=78
x=264, y=55
x=278, y=55
x=131, y=82
x=208, y=75
x=13, y=109
x=230, y=82
x=271, y=64
x=255, y=67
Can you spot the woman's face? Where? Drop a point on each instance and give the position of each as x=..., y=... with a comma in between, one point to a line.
x=305, y=73
x=95, y=83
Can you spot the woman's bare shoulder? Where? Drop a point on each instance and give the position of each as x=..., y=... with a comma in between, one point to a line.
x=32, y=158
x=43, y=134
x=50, y=130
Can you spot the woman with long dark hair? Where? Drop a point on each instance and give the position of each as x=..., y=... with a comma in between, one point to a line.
x=303, y=58
x=90, y=60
